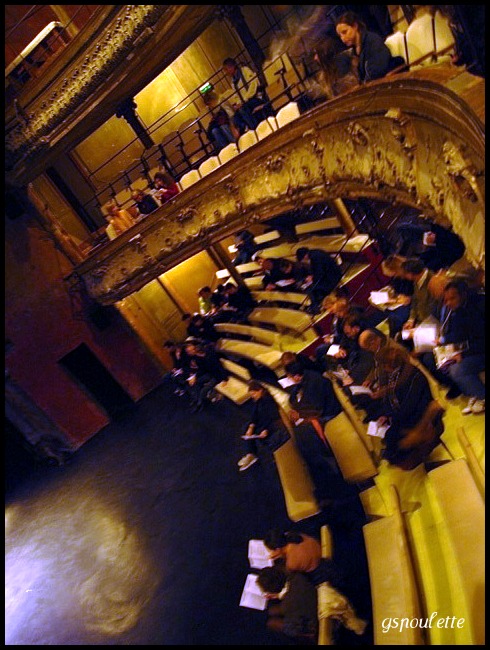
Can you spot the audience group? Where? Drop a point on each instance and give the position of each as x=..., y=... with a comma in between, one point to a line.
x=384, y=375
x=396, y=397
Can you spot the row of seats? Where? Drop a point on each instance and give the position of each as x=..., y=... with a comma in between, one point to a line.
x=428, y=39
x=435, y=554
x=285, y=115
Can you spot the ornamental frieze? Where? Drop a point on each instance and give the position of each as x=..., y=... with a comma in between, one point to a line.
x=431, y=161
x=100, y=61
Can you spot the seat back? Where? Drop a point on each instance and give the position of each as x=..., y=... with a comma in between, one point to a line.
x=427, y=36
x=396, y=43
x=189, y=179
x=228, y=152
x=266, y=127
x=287, y=114
x=209, y=165
x=248, y=139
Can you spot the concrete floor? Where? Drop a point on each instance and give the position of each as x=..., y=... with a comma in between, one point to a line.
x=141, y=539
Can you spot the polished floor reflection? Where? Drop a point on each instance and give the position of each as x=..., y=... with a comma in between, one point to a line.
x=142, y=537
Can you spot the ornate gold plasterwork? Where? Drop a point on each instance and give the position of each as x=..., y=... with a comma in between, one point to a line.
x=31, y=134
x=354, y=146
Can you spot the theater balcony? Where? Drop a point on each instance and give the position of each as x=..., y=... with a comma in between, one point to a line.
x=410, y=140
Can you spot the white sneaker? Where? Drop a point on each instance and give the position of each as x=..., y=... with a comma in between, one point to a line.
x=244, y=460
x=251, y=460
x=469, y=407
x=478, y=406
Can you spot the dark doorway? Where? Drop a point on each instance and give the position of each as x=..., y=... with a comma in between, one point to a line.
x=88, y=371
x=20, y=462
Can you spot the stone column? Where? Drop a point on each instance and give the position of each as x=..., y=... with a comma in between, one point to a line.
x=346, y=221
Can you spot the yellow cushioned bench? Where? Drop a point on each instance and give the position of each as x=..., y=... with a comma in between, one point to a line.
x=297, y=486
x=254, y=351
x=236, y=388
x=259, y=334
x=283, y=319
x=294, y=297
x=353, y=459
x=459, y=511
x=393, y=588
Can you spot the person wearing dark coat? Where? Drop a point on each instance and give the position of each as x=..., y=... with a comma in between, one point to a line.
x=177, y=377
x=206, y=371
x=374, y=57
x=202, y=327
x=144, y=202
x=323, y=274
x=240, y=300
x=265, y=425
x=312, y=398
x=403, y=401
x=462, y=318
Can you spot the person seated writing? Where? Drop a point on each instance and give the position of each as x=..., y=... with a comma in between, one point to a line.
x=239, y=300
x=356, y=361
x=302, y=553
x=462, y=318
x=406, y=407
x=293, y=606
x=206, y=371
x=322, y=274
x=265, y=425
x=311, y=398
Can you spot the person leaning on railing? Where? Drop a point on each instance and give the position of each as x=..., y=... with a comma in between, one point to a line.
x=144, y=202
x=166, y=186
x=374, y=57
x=118, y=220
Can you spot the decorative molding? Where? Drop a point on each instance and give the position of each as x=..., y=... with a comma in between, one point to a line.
x=410, y=155
x=29, y=136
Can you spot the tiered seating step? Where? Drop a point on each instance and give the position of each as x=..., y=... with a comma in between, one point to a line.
x=236, y=388
x=393, y=587
x=352, y=457
x=259, y=334
x=459, y=510
x=254, y=351
x=298, y=488
x=283, y=319
x=301, y=300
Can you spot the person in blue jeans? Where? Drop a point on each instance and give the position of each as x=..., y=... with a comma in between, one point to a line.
x=220, y=130
x=462, y=318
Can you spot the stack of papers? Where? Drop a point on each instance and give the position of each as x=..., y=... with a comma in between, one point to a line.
x=285, y=283
x=359, y=390
x=425, y=337
x=333, y=349
x=376, y=429
x=286, y=382
x=252, y=595
x=380, y=297
x=259, y=554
